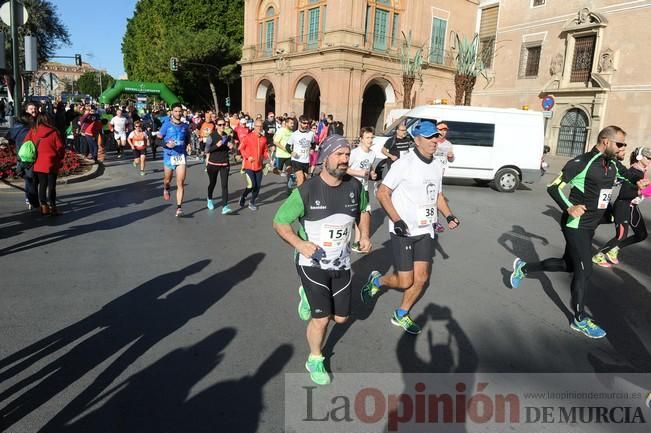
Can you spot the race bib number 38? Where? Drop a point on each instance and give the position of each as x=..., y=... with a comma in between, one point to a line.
x=335, y=236
x=604, y=198
x=426, y=214
x=177, y=159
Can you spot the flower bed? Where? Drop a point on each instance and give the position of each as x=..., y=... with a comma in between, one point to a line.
x=71, y=163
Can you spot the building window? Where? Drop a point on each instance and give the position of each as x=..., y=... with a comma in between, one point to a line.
x=437, y=46
x=487, y=34
x=267, y=31
x=529, y=61
x=311, y=22
x=382, y=27
x=583, y=56
x=536, y=3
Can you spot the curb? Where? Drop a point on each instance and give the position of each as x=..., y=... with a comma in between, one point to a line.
x=95, y=171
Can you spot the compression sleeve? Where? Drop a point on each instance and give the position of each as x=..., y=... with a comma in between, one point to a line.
x=291, y=210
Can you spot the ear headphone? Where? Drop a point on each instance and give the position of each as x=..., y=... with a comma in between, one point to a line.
x=638, y=153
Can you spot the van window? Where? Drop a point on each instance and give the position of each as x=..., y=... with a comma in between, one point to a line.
x=471, y=134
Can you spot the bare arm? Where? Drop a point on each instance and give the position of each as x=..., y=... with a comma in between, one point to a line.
x=285, y=231
x=442, y=205
x=383, y=196
x=365, y=230
x=386, y=153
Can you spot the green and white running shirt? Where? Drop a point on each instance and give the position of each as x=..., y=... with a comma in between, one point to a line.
x=327, y=216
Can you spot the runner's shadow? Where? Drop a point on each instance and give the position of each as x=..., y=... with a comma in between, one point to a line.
x=128, y=327
x=73, y=231
x=519, y=243
x=452, y=352
x=151, y=400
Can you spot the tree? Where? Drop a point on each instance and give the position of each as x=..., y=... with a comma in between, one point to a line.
x=469, y=66
x=44, y=23
x=198, y=32
x=412, y=69
x=89, y=83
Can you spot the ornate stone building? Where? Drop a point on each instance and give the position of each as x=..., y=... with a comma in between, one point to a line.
x=591, y=57
x=52, y=77
x=343, y=56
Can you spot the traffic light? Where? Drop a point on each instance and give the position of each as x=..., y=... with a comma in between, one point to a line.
x=174, y=64
x=78, y=59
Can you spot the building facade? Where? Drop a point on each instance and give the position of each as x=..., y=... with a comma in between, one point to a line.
x=52, y=78
x=589, y=57
x=343, y=56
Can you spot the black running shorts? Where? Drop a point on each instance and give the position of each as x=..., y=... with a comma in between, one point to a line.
x=300, y=166
x=410, y=249
x=327, y=291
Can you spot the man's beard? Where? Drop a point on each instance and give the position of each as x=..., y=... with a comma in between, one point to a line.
x=339, y=172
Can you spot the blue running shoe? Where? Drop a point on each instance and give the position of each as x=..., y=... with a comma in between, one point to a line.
x=210, y=204
x=226, y=210
x=588, y=328
x=517, y=274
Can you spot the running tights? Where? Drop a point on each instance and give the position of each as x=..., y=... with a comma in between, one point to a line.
x=47, y=188
x=576, y=259
x=253, y=184
x=635, y=220
x=222, y=172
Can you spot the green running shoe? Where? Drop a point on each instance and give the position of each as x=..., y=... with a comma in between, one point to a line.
x=304, y=311
x=371, y=288
x=405, y=323
x=600, y=259
x=612, y=255
x=317, y=370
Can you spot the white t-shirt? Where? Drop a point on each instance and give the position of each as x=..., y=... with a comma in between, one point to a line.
x=361, y=160
x=416, y=186
x=302, y=142
x=442, y=152
x=119, y=124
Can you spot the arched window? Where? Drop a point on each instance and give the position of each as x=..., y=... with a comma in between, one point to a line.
x=573, y=134
x=267, y=31
x=382, y=26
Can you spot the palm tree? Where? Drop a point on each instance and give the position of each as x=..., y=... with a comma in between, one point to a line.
x=412, y=68
x=469, y=66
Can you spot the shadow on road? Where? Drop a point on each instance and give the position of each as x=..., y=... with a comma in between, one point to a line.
x=519, y=243
x=131, y=324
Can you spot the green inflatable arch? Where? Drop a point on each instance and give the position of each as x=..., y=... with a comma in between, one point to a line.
x=140, y=87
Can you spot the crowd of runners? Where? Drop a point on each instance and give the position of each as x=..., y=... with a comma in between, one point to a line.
x=327, y=217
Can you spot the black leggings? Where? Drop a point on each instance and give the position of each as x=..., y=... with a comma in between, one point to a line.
x=213, y=172
x=576, y=259
x=47, y=182
x=625, y=216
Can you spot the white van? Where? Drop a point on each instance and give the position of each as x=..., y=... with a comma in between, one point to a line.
x=504, y=145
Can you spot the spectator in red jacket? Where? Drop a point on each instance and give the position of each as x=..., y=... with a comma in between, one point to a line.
x=254, y=151
x=50, y=153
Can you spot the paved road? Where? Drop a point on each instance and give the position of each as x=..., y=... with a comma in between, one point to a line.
x=119, y=317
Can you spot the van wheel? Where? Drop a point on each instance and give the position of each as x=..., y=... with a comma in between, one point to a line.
x=482, y=182
x=507, y=180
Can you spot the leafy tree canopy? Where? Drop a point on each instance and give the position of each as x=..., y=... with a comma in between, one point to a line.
x=89, y=83
x=196, y=31
x=45, y=24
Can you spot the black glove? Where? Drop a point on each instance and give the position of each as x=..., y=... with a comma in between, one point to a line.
x=451, y=218
x=400, y=228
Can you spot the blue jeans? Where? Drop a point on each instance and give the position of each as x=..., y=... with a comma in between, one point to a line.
x=92, y=146
x=253, y=185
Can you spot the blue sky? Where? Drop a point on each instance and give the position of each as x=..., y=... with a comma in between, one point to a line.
x=96, y=31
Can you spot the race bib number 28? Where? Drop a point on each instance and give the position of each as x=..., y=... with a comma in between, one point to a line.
x=177, y=159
